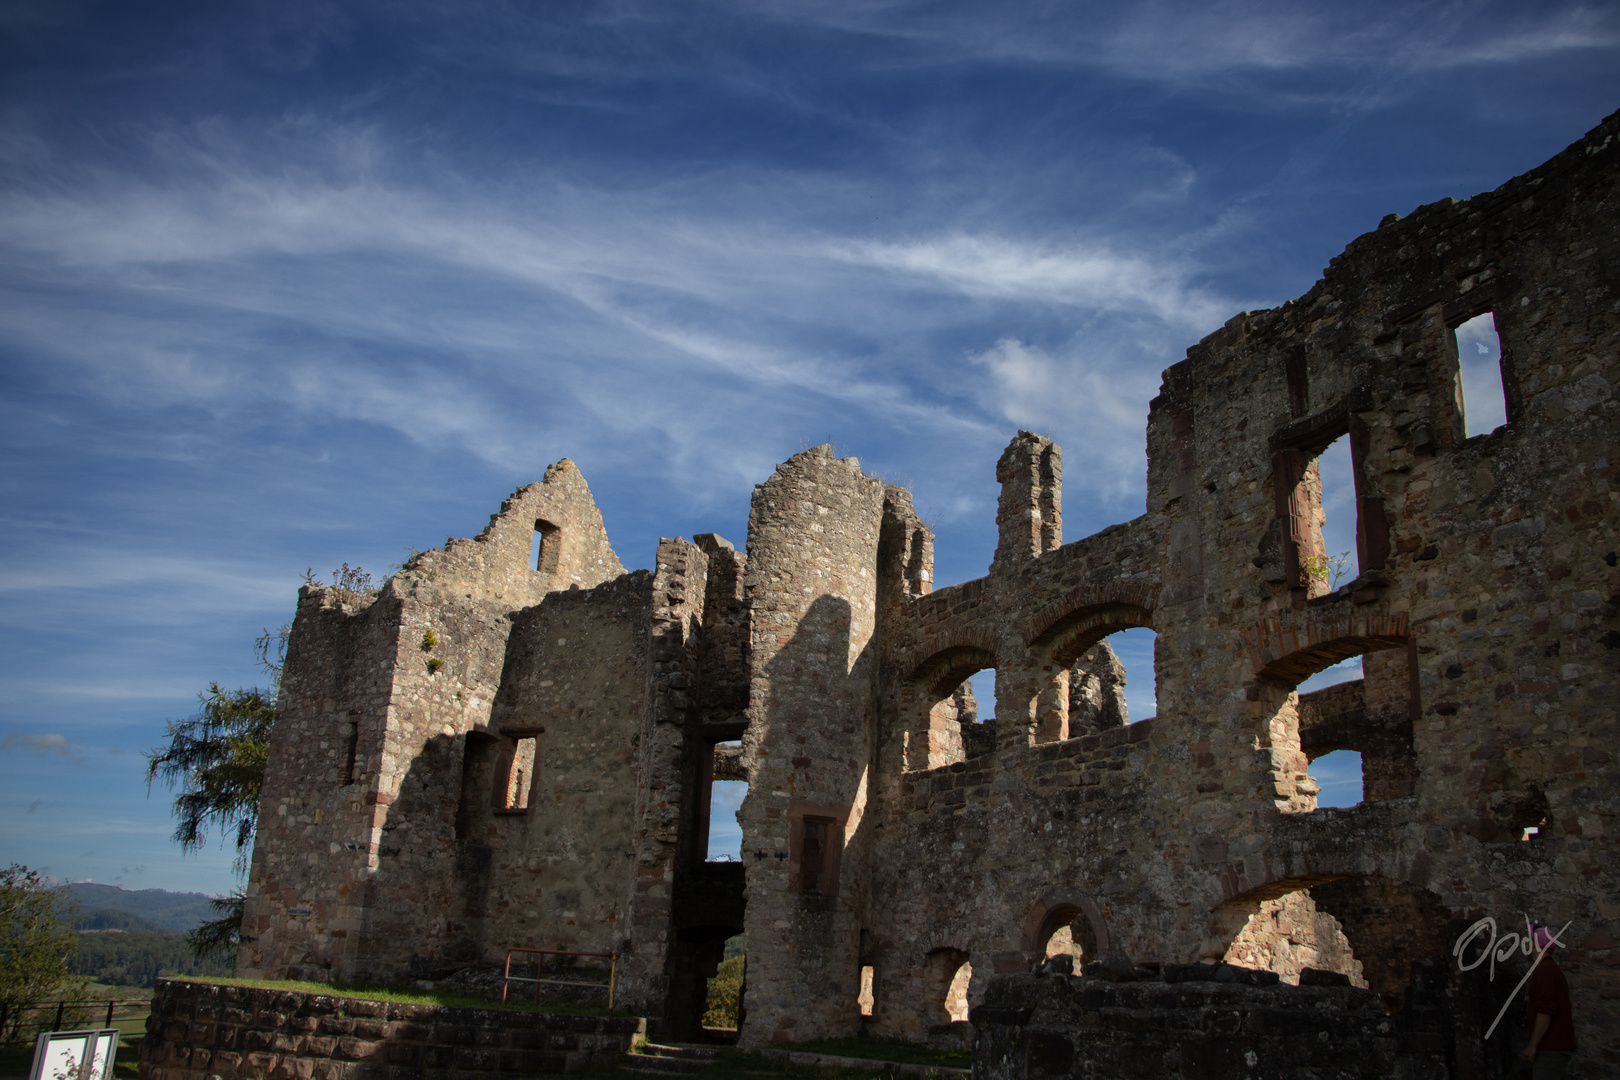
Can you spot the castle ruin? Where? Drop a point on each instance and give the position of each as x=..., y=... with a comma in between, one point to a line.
x=514, y=742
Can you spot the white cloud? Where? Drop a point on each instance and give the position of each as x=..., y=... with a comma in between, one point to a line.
x=38, y=744
x=1092, y=277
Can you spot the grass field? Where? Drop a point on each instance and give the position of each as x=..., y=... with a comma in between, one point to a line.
x=413, y=997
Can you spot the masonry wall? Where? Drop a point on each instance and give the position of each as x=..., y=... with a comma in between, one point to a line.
x=197, y=1030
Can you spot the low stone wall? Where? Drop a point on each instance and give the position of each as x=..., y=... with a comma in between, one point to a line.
x=201, y=1030
x=1042, y=1027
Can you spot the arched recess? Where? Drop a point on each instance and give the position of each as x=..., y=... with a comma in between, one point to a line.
x=948, y=975
x=1385, y=929
x=1376, y=722
x=1059, y=908
x=1064, y=651
x=931, y=711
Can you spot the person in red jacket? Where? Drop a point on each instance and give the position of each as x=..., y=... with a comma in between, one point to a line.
x=1548, y=1019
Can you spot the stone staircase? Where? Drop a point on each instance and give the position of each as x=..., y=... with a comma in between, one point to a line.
x=669, y=1059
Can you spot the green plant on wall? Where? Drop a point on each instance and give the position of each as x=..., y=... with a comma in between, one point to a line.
x=429, y=639
x=434, y=665
x=1328, y=569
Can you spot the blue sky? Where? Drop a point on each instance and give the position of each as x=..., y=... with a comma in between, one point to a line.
x=297, y=284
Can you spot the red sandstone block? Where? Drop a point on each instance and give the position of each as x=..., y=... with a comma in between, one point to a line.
x=329, y=1070
x=287, y=1043
x=352, y=1049
x=371, y=1029
x=259, y=1065
x=200, y=1057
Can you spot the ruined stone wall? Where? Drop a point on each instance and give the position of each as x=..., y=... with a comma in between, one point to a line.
x=414, y=670
x=1045, y=1027
x=880, y=830
x=1484, y=610
x=811, y=587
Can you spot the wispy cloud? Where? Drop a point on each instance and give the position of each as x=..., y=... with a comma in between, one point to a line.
x=38, y=744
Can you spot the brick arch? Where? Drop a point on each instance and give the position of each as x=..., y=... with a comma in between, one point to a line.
x=1318, y=639
x=1055, y=900
x=947, y=647
x=1071, y=612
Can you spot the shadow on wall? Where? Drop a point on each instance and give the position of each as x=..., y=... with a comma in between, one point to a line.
x=804, y=972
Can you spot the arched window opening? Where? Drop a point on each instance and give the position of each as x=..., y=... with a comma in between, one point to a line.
x=1068, y=932
x=1355, y=733
x=1483, y=395
x=1375, y=931
x=944, y=707
x=1289, y=934
x=949, y=977
x=545, y=550
x=1098, y=685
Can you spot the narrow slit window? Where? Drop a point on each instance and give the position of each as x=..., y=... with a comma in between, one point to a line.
x=866, y=999
x=353, y=752
x=1479, y=366
x=544, y=549
x=725, y=834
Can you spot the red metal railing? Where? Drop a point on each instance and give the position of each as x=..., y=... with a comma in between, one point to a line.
x=507, y=978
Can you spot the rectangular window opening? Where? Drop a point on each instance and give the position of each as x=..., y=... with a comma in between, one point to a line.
x=1479, y=367
x=477, y=758
x=866, y=998
x=813, y=855
x=515, y=781
x=544, y=549
x=1338, y=774
x=725, y=833
x=1328, y=556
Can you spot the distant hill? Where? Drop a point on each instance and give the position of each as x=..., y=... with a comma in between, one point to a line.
x=110, y=919
x=162, y=911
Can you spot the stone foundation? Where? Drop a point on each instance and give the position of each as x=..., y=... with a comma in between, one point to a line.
x=201, y=1030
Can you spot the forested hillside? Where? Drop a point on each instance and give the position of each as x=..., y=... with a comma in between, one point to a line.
x=136, y=960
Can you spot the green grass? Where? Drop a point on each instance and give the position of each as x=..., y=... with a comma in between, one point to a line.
x=362, y=992
x=909, y=1053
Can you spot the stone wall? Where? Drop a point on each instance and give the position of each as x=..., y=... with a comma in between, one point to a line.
x=1050, y=1026
x=198, y=1031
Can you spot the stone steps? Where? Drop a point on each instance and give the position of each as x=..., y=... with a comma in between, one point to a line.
x=669, y=1059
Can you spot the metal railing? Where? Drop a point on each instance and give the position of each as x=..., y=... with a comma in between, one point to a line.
x=507, y=978
x=52, y=1015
